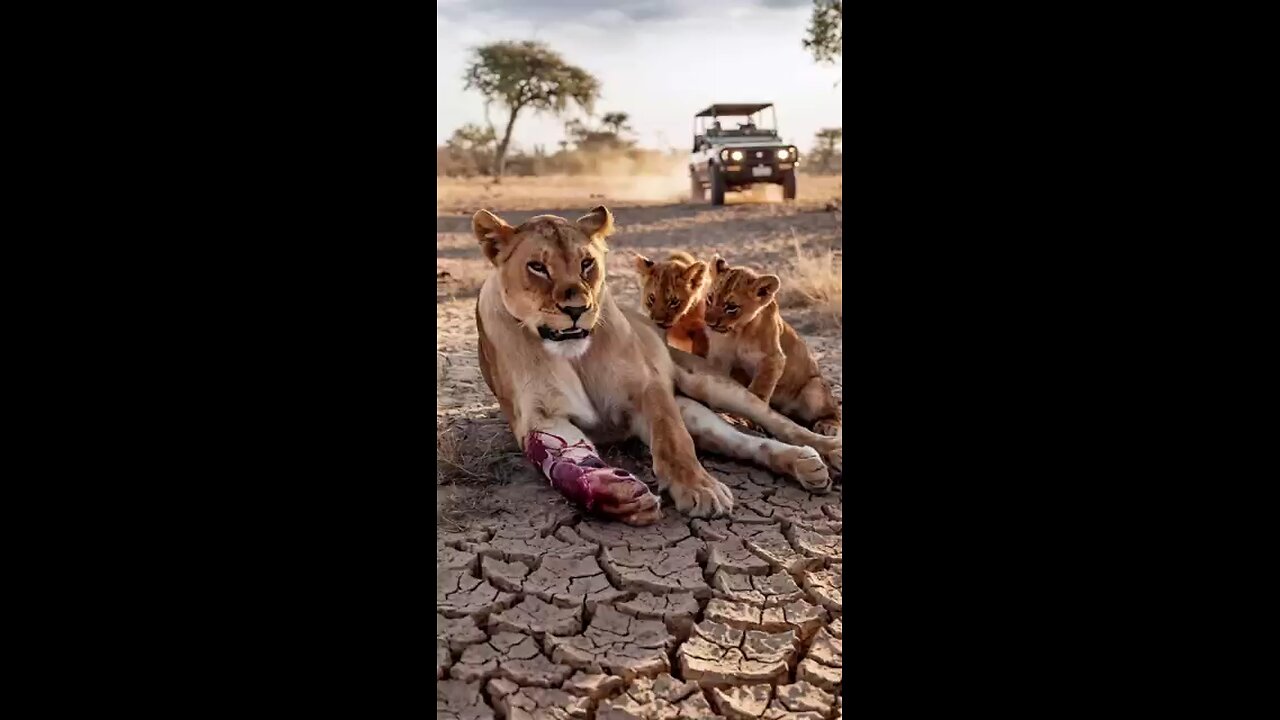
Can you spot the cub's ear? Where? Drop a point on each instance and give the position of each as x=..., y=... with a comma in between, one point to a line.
x=597, y=224
x=644, y=266
x=767, y=286
x=695, y=274
x=718, y=265
x=493, y=233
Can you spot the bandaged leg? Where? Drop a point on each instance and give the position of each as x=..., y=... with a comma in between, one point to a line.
x=575, y=469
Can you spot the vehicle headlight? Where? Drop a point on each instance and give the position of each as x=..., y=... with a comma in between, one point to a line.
x=737, y=155
x=783, y=154
x=724, y=154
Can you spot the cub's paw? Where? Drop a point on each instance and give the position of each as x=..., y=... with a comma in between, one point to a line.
x=832, y=450
x=805, y=465
x=698, y=494
x=830, y=428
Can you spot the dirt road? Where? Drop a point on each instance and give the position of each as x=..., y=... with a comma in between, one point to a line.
x=544, y=613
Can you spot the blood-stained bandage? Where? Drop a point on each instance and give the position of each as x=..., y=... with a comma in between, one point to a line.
x=578, y=473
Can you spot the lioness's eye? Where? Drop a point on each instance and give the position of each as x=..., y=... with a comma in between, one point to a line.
x=673, y=302
x=731, y=308
x=537, y=268
x=651, y=299
x=586, y=265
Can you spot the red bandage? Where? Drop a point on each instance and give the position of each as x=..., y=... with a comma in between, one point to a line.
x=578, y=472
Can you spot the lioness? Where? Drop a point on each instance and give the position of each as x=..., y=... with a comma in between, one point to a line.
x=564, y=360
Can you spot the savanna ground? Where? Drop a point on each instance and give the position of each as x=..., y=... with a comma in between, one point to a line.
x=542, y=612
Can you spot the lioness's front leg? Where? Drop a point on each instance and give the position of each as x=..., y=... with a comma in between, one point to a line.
x=675, y=461
x=573, y=466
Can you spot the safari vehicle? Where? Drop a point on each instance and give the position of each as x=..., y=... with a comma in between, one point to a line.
x=734, y=149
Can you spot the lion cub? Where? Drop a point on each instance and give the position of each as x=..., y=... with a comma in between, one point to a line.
x=751, y=336
x=672, y=294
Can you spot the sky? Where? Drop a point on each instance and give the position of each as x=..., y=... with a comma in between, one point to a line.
x=660, y=61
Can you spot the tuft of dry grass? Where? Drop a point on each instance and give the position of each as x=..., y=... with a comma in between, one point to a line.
x=813, y=280
x=474, y=452
x=449, y=459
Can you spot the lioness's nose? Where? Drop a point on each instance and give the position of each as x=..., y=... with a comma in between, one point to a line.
x=574, y=311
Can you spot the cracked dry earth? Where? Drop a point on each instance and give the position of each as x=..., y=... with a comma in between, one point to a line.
x=542, y=612
x=551, y=614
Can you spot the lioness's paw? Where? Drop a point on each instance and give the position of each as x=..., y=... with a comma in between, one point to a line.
x=617, y=494
x=701, y=495
x=647, y=512
x=804, y=464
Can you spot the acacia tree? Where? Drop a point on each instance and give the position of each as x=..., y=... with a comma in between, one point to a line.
x=616, y=121
x=825, y=30
x=526, y=74
x=826, y=142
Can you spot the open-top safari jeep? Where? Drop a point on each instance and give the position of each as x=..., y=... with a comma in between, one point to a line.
x=734, y=149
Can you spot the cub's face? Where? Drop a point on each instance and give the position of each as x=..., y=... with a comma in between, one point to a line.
x=669, y=289
x=551, y=273
x=737, y=295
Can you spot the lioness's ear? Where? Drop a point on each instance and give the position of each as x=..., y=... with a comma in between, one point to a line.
x=767, y=286
x=644, y=265
x=597, y=224
x=695, y=274
x=493, y=233
x=719, y=265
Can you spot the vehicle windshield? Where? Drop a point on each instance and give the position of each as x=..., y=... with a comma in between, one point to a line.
x=754, y=125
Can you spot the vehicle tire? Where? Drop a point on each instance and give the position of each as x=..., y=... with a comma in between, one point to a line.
x=697, y=193
x=789, y=186
x=717, y=186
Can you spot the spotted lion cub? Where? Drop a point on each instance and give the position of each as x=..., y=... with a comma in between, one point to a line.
x=750, y=336
x=672, y=295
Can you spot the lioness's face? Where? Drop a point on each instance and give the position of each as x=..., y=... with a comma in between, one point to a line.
x=737, y=295
x=551, y=271
x=669, y=289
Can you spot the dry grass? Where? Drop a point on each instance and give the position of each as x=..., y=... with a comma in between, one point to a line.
x=474, y=451
x=813, y=280
x=449, y=459
x=463, y=459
